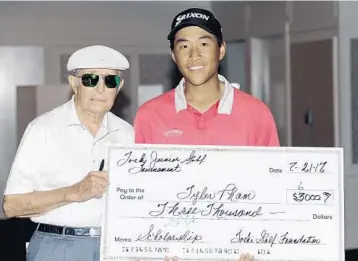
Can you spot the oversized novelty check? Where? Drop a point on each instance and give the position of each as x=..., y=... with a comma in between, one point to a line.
x=206, y=203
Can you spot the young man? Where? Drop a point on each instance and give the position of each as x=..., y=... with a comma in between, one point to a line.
x=204, y=109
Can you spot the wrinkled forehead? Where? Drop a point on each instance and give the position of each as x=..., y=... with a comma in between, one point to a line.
x=97, y=71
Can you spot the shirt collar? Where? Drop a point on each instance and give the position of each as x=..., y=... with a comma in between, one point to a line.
x=73, y=120
x=226, y=100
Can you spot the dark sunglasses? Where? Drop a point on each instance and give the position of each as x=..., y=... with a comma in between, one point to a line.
x=91, y=80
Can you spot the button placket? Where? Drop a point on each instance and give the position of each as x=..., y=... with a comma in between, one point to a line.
x=95, y=146
x=93, y=154
x=201, y=122
x=99, y=149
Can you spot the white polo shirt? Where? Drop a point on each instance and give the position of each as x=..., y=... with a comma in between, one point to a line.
x=57, y=151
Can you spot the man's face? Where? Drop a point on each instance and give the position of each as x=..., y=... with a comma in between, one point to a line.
x=99, y=98
x=197, y=54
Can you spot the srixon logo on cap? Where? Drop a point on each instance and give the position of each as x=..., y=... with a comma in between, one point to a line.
x=191, y=15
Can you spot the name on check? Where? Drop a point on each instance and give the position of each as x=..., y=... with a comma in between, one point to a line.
x=206, y=203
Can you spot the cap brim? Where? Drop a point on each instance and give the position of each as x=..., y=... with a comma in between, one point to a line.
x=186, y=24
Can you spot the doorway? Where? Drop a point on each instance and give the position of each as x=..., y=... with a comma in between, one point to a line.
x=312, y=88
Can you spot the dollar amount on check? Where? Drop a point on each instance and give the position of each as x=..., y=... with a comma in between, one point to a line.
x=203, y=203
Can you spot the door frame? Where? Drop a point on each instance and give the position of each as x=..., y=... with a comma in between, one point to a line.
x=313, y=36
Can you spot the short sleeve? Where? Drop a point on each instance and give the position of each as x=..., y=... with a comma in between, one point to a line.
x=142, y=127
x=28, y=161
x=267, y=131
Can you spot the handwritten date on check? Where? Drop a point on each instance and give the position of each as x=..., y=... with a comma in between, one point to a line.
x=205, y=203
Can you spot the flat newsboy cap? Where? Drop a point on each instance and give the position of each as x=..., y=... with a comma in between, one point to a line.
x=97, y=57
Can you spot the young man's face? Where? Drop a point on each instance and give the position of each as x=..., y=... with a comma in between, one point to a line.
x=197, y=54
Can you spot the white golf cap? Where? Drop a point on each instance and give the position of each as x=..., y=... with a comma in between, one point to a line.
x=97, y=57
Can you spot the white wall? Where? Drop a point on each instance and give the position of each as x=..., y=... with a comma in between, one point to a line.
x=80, y=23
x=18, y=66
x=132, y=28
x=277, y=86
x=312, y=15
x=259, y=68
x=348, y=29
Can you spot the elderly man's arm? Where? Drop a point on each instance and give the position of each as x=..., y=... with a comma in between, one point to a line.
x=35, y=203
x=22, y=197
x=39, y=202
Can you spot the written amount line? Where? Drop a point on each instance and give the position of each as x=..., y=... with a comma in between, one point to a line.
x=219, y=219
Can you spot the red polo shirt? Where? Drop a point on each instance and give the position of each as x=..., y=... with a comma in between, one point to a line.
x=238, y=119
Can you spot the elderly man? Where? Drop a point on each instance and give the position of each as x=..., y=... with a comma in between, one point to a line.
x=57, y=177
